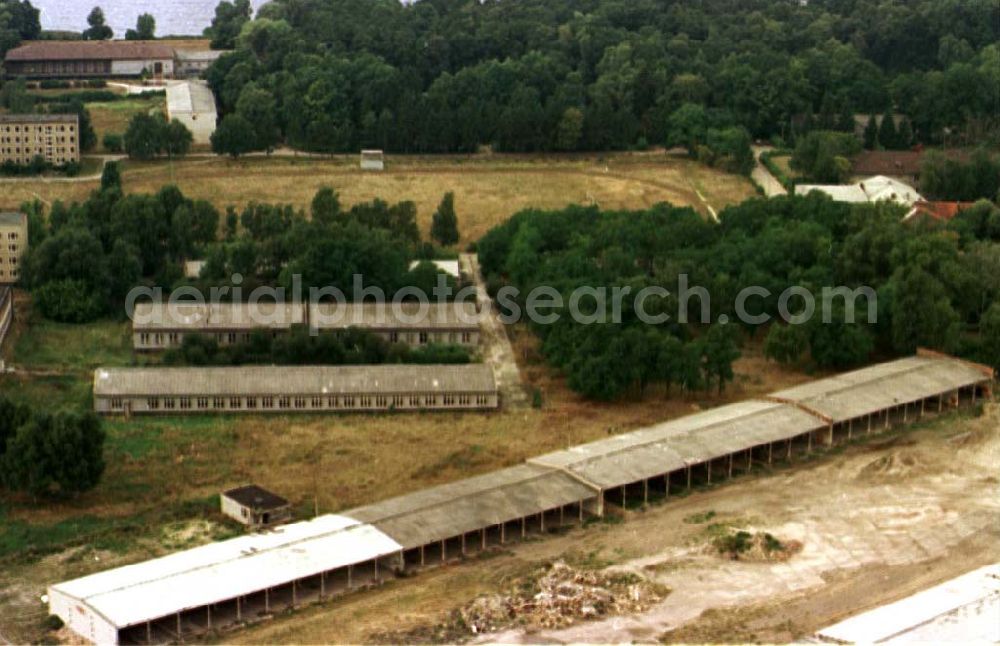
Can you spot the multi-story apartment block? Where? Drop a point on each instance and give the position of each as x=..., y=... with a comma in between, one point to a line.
x=55, y=137
x=13, y=244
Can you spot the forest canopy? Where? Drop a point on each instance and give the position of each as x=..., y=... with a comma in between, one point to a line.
x=934, y=286
x=533, y=75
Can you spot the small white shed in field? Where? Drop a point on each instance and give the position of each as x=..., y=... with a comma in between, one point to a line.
x=372, y=160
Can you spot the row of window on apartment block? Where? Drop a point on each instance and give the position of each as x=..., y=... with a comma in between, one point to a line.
x=38, y=151
x=38, y=127
x=39, y=139
x=24, y=161
x=305, y=403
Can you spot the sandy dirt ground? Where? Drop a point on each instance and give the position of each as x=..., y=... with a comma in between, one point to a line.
x=772, y=187
x=877, y=521
x=497, y=350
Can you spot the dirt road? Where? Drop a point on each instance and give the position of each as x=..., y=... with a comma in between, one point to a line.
x=772, y=187
x=497, y=350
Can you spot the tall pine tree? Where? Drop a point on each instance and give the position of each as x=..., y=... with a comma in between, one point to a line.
x=887, y=134
x=444, y=227
x=871, y=134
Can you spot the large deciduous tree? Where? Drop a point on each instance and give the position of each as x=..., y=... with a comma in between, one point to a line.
x=145, y=28
x=55, y=453
x=235, y=136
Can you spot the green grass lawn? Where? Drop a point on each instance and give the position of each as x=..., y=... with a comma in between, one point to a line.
x=145, y=458
x=77, y=348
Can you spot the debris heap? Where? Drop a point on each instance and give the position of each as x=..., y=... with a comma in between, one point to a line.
x=559, y=595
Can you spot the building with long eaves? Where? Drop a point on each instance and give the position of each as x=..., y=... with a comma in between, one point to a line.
x=293, y=389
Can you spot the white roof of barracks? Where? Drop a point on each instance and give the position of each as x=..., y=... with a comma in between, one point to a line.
x=133, y=594
x=965, y=610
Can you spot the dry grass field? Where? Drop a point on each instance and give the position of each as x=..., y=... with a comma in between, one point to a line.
x=487, y=189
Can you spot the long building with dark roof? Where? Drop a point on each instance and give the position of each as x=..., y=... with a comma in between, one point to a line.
x=82, y=59
x=293, y=389
x=161, y=326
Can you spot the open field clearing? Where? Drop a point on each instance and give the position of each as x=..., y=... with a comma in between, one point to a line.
x=487, y=189
x=114, y=116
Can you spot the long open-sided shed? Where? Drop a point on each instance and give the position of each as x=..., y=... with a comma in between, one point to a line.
x=656, y=459
x=220, y=584
x=899, y=390
x=476, y=513
x=287, y=389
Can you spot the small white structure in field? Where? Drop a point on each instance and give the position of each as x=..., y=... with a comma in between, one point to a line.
x=372, y=160
x=255, y=506
x=449, y=267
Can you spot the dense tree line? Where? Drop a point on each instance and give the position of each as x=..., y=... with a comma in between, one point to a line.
x=269, y=244
x=149, y=135
x=936, y=285
x=86, y=256
x=298, y=347
x=45, y=453
x=18, y=21
x=824, y=156
x=949, y=179
x=523, y=75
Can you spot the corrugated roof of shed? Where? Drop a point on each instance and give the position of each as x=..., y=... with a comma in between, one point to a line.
x=218, y=571
x=393, y=316
x=215, y=316
x=468, y=505
x=650, y=452
x=876, y=388
x=324, y=316
x=293, y=380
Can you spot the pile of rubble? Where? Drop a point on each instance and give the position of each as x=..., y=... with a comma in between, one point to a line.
x=559, y=595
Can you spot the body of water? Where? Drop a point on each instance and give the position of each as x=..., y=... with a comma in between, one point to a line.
x=173, y=17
